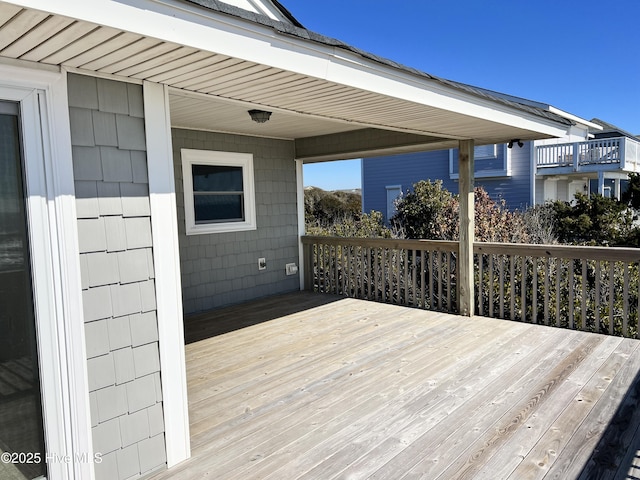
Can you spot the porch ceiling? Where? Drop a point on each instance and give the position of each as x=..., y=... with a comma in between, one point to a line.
x=338, y=91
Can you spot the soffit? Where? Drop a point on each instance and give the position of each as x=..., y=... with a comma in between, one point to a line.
x=303, y=106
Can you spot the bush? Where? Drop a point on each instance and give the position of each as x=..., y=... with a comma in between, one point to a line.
x=430, y=211
x=594, y=220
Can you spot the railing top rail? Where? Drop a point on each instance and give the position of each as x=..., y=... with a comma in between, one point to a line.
x=616, y=254
x=393, y=243
x=594, y=141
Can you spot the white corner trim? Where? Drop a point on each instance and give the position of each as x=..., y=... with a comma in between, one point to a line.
x=164, y=225
x=55, y=264
x=301, y=223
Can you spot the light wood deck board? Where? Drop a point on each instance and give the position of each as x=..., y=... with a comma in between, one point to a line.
x=316, y=386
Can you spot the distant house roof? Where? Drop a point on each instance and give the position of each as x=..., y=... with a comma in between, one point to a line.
x=296, y=29
x=610, y=130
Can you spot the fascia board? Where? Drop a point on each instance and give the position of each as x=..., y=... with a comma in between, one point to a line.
x=180, y=24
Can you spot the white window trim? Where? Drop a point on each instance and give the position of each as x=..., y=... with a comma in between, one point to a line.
x=387, y=189
x=212, y=157
x=505, y=171
x=54, y=249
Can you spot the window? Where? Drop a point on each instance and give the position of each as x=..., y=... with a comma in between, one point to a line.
x=219, y=191
x=489, y=161
x=393, y=193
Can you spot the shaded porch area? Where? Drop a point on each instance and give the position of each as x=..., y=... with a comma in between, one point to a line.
x=318, y=386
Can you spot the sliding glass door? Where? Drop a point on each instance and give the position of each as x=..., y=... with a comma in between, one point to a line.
x=21, y=430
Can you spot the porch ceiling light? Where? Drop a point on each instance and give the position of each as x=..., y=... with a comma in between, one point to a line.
x=259, y=116
x=515, y=140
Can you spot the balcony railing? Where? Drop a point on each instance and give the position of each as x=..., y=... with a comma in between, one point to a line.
x=617, y=153
x=594, y=289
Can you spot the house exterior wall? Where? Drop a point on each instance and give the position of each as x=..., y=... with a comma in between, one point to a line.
x=222, y=268
x=117, y=271
x=405, y=170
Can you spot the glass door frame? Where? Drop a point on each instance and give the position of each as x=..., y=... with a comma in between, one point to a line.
x=52, y=230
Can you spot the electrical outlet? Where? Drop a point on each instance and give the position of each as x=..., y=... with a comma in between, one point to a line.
x=291, y=268
x=262, y=264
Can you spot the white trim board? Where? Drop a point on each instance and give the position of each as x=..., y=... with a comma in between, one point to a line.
x=164, y=227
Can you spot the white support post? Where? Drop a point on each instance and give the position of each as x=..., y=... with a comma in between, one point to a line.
x=467, y=211
x=301, y=224
x=164, y=227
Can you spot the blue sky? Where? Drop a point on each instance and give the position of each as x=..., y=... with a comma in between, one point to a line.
x=578, y=55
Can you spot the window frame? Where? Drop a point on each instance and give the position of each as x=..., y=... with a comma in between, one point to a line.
x=192, y=157
x=505, y=171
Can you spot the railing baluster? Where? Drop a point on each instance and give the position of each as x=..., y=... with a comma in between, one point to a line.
x=480, y=284
x=501, y=285
x=558, y=291
x=571, y=294
x=449, y=258
x=422, y=289
x=625, y=300
x=440, y=278
x=431, y=289
x=585, y=294
x=384, y=274
x=378, y=268
x=547, y=295
x=512, y=287
x=612, y=267
x=414, y=301
x=597, y=296
x=490, y=293
x=523, y=290
x=534, y=291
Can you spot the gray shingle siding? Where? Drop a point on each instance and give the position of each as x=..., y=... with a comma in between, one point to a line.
x=114, y=229
x=222, y=268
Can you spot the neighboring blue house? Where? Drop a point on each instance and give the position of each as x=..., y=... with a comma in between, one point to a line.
x=596, y=159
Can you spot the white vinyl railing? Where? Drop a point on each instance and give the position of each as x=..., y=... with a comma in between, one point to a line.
x=622, y=152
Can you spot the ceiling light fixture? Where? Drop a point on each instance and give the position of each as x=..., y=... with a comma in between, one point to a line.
x=259, y=116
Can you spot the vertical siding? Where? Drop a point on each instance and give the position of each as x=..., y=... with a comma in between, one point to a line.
x=222, y=268
x=114, y=229
x=405, y=170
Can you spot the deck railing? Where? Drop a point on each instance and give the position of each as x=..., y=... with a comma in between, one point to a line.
x=416, y=273
x=595, y=289
x=621, y=151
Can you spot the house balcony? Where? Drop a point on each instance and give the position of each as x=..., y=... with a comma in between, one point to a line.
x=606, y=154
x=318, y=385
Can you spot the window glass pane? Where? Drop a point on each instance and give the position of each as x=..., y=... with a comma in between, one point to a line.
x=484, y=151
x=215, y=178
x=218, y=208
x=20, y=409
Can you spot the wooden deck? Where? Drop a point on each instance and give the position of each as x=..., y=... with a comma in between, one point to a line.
x=331, y=387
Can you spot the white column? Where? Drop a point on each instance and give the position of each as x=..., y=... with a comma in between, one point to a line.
x=467, y=224
x=164, y=227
